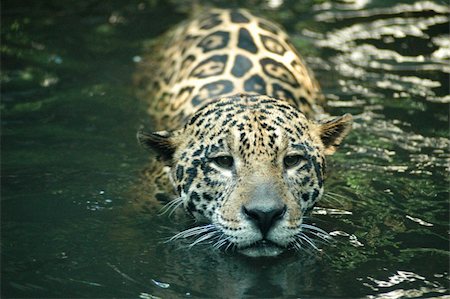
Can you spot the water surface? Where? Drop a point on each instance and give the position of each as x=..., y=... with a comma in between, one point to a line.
x=70, y=159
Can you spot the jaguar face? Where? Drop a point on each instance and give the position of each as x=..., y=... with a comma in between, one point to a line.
x=250, y=167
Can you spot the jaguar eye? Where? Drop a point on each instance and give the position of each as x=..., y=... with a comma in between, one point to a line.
x=292, y=161
x=225, y=162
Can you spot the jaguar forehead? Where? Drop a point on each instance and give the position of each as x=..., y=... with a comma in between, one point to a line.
x=225, y=112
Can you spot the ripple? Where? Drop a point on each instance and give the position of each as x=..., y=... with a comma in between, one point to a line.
x=329, y=211
x=410, y=293
x=443, y=43
x=380, y=50
x=343, y=39
x=397, y=278
x=419, y=221
x=387, y=137
x=402, y=277
x=419, y=6
x=353, y=240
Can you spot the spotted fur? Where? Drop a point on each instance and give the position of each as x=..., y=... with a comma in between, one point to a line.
x=230, y=86
x=222, y=53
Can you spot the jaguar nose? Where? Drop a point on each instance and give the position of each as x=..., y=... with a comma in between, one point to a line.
x=264, y=218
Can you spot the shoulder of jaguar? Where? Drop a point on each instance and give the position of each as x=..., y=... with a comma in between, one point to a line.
x=232, y=101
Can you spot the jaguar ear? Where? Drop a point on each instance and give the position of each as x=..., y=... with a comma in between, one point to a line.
x=160, y=142
x=332, y=132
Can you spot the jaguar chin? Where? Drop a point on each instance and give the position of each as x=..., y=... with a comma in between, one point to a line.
x=262, y=248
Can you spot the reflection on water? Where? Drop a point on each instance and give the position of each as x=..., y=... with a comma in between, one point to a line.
x=395, y=39
x=69, y=157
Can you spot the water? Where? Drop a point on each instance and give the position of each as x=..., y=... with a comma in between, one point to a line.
x=70, y=163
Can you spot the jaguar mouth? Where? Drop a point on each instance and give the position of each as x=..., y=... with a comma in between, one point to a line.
x=263, y=248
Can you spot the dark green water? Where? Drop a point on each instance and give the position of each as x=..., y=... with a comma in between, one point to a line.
x=69, y=156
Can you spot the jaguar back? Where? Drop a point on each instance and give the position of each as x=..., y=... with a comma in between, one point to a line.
x=221, y=53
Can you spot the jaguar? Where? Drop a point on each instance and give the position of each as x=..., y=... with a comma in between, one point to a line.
x=239, y=132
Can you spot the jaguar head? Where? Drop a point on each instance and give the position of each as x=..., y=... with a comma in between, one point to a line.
x=251, y=167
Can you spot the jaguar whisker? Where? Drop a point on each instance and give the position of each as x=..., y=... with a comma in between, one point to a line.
x=194, y=231
x=171, y=206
